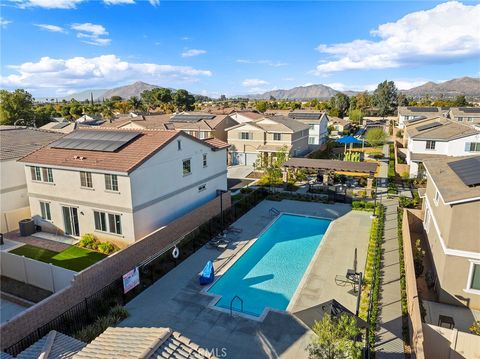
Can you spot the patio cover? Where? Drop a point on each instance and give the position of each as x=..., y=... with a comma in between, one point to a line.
x=332, y=165
x=349, y=140
x=314, y=314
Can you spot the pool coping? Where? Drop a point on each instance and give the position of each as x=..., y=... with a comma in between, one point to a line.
x=241, y=252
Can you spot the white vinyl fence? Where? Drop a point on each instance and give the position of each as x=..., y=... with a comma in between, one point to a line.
x=30, y=271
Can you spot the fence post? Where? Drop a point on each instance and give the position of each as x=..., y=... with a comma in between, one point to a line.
x=86, y=309
x=53, y=277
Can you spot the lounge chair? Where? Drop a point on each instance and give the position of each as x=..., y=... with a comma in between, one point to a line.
x=218, y=242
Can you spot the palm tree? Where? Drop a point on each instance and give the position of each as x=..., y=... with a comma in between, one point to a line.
x=135, y=103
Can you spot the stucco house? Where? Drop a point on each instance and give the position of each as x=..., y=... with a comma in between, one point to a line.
x=242, y=116
x=121, y=185
x=16, y=142
x=317, y=122
x=339, y=124
x=452, y=223
x=411, y=113
x=433, y=138
x=469, y=115
x=264, y=138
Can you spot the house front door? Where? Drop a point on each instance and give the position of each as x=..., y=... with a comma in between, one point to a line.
x=70, y=220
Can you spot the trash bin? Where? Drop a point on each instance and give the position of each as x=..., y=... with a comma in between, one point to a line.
x=27, y=227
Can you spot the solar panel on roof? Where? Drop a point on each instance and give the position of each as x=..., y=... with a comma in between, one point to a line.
x=422, y=109
x=61, y=125
x=428, y=126
x=191, y=118
x=470, y=109
x=304, y=115
x=468, y=170
x=105, y=141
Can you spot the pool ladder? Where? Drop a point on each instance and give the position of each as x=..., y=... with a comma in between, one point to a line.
x=274, y=212
x=231, y=304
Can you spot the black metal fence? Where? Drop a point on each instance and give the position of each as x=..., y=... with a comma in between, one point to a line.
x=151, y=269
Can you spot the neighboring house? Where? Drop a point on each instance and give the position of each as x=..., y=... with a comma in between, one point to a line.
x=121, y=184
x=92, y=120
x=318, y=125
x=264, y=138
x=16, y=142
x=339, y=125
x=412, y=113
x=469, y=115
x=200, y=125
x=427, y=139
x=246, y=116
x=452, y=222
x=61, y=127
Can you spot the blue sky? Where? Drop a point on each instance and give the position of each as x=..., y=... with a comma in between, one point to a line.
x=56, y=47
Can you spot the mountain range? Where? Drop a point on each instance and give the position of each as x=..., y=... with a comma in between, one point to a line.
x=467, y=86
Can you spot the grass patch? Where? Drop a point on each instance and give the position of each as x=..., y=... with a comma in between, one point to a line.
x=73, y=258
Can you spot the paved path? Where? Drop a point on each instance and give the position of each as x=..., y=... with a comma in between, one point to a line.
x=389, y=342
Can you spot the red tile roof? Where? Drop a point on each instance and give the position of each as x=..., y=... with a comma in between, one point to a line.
x=126, y=159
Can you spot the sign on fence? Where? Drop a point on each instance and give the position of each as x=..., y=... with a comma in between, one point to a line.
x=131, y=280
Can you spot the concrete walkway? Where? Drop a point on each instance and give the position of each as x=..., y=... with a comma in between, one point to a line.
x=389, y=341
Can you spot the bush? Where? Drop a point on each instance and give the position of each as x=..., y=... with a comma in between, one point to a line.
x=418, y=254
x=88, y=241
x=475, y=328
x=363, y=206
x=376, y=155
x=400, y=134
x=403, y=281
x=90, y=332
x=106, y=248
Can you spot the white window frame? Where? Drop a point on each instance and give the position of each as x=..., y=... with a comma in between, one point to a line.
x=436, y=198
x=189, y=164
x=245, y=138
x=311, y=140
x=429, y=148
x=468, y=287
x=428, y=218
x=204, y=160
x=111, y=180
x=45, y=211
x=41, y=174
x=105, y=219
x=179, y=145
x=86, y=180
x=279, y=135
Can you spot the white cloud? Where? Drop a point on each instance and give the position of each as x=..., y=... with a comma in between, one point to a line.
x=118, y=2
x=448, y=32
x=4, y=23
x=254, y=82
x=102, y=71
x=91, y=33
x=52, y=28
x=338, y=86
x=48, y=4
x=262, y=62
x=154, y=2
x=185, y=38
x=193, y=52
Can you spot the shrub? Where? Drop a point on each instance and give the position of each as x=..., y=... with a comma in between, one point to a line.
x=418, y=254
x=400, y=134
x=403, y=281
x=475, y=328
x=106, y=248
x=90, y=332
x=88, y=241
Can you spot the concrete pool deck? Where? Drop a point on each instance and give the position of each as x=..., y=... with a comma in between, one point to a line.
x=176, y=301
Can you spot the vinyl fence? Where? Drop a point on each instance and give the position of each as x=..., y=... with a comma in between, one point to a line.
x=36, y=273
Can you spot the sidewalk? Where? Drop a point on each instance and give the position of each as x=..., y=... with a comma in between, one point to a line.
x=389, y=341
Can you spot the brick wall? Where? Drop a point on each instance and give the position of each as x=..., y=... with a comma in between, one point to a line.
x=94, y=278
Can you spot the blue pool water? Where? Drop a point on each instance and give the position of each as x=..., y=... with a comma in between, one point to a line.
x=269, y=272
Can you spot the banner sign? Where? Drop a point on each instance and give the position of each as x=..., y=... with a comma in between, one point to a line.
x=131, y=280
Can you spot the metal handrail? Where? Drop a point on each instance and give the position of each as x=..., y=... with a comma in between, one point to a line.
x=274, y=211
x=231, y=304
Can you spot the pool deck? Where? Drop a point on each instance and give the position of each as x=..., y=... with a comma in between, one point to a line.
x=176, y=301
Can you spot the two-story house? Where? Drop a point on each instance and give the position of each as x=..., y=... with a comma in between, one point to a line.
x=16, y=142
x=412, y=113
x=264, y=138
x=427, y=139
x=469, y=115
x=317, y=122
x=242, y=116
x=121, y=184
x=339, y=125
x=452, y=223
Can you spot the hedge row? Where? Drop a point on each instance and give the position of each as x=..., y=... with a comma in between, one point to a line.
x=403, y=281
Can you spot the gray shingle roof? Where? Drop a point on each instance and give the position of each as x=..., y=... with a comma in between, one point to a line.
x=16, y=142
x=54, y=345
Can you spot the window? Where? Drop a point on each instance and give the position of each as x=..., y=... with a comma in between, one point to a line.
x=41, y=174
x=437, y=197
x=475, y=276
x=179, y=145
x=277, y=136
x=112, y=225
x=312, y=127
x=245, y=136
x=201, y=188
x=426, y=222
x=472, y=147
x=45, y=210
x=100, y=221
x=460, y=119
x=470, y=119
x=111, y=183
x=187, y=168
x=311, y=140
x=204, y=160
x=203, y=135
x=86, y=179
x=430, y=145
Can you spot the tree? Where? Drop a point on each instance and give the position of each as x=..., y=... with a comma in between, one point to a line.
x=355, y=116
x=363, y=100
x=385, y=98
x=15, y=105
x=183, y=100
x=376, y=136
x=402, y=100
x=461, y=101
x=335, y=339
x=261, y=106
x=135, y=103
x=341, y=103
x=116, y=98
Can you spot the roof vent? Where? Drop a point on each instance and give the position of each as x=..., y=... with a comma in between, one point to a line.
x=80, y=158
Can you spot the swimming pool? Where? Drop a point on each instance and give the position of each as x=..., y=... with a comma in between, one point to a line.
x=269, y=272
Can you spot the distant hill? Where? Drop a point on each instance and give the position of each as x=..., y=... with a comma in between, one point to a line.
x=297, y=93
x=128, y=91
x=467, y=86
x=79, y=96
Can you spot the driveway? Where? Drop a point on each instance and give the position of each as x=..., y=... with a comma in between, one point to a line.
x=239, y=171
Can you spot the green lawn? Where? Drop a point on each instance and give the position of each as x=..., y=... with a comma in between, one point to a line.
x=74, y=258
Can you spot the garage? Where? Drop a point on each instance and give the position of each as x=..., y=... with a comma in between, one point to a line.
x=244, y=158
